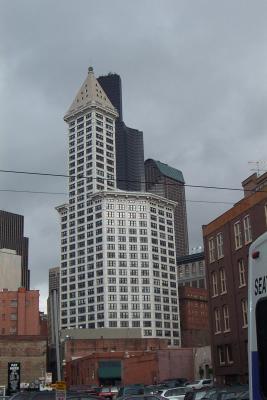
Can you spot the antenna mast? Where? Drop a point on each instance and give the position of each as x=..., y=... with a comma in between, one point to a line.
x=258, y=164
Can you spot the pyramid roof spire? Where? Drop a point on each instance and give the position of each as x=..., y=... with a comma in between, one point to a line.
x=90, y=94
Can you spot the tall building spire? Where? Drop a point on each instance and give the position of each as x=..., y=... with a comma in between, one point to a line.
x=90, y=94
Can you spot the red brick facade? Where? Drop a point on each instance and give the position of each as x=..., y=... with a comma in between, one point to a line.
x=30, y=351
x=226, y=241
x=194, y=317
x=19, y=312
x=145, y=367
x=82, y=347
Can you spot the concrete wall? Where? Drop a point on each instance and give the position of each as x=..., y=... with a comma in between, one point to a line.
x=30, y=351
x=10, y=269
x=202, y=358
x=175, y=363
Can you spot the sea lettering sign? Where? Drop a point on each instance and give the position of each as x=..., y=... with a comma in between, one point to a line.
x=13, y=377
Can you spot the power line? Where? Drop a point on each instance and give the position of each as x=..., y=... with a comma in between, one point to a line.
x=32, y=192
x=120, y=180
x=65, y=194
x=10, y=171
x=210, y=202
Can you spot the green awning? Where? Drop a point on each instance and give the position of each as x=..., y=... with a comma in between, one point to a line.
x=109, y=369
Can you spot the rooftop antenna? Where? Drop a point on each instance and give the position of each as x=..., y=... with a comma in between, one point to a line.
x=258, y=164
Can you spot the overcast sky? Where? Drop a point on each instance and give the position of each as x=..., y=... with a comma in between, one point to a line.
x=194, y=77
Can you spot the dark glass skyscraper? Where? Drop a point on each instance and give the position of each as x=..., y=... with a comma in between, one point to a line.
x=169, y=182
x=12, y=237
x=129, y=142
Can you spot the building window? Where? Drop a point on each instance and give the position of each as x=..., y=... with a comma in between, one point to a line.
x=223, y=281
x=211, y=250
x=226, y=318
x=214, y=284
x=244, y=305
x=247, y=229
x=229, y=354
x=217, y=318
x=238, y=235
x=219, y=239
x=221, y=355
x=242, y=276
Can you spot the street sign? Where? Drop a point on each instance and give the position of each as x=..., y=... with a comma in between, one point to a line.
x=13, y=377
x=61, y=386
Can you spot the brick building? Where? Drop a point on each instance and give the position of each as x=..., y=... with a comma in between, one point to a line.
x=193, y=303
x=129, y=367
x=19, y=312
x=76, y=348
x=30, y=351
x=226, y=241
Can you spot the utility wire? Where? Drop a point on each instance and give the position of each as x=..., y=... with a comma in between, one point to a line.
x=32, y=192
x=65, y=194
x=125, y=180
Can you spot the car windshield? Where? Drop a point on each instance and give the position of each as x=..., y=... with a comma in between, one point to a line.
x=133, y=390
x=105, y=390
x=199, y=395
x=228, y=396
x=179, y=391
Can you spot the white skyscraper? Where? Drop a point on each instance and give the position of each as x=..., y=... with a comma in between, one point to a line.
x=117, y=248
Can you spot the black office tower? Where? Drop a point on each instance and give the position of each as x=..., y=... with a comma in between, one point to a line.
x=129, y=142
x=12, y=237
x=169, y=182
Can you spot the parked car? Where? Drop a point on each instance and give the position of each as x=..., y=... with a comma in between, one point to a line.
x=174, y=393
x=157, y=388
x=143, y=397
x=52, y=396
x=195, y=394
x=243, y=395
x=199, y=384
x=130, y=390
x=92, y=390
x=153, y=389
x=225, y=393
x=106, y=392
x=114, y=391
x=177, y=382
